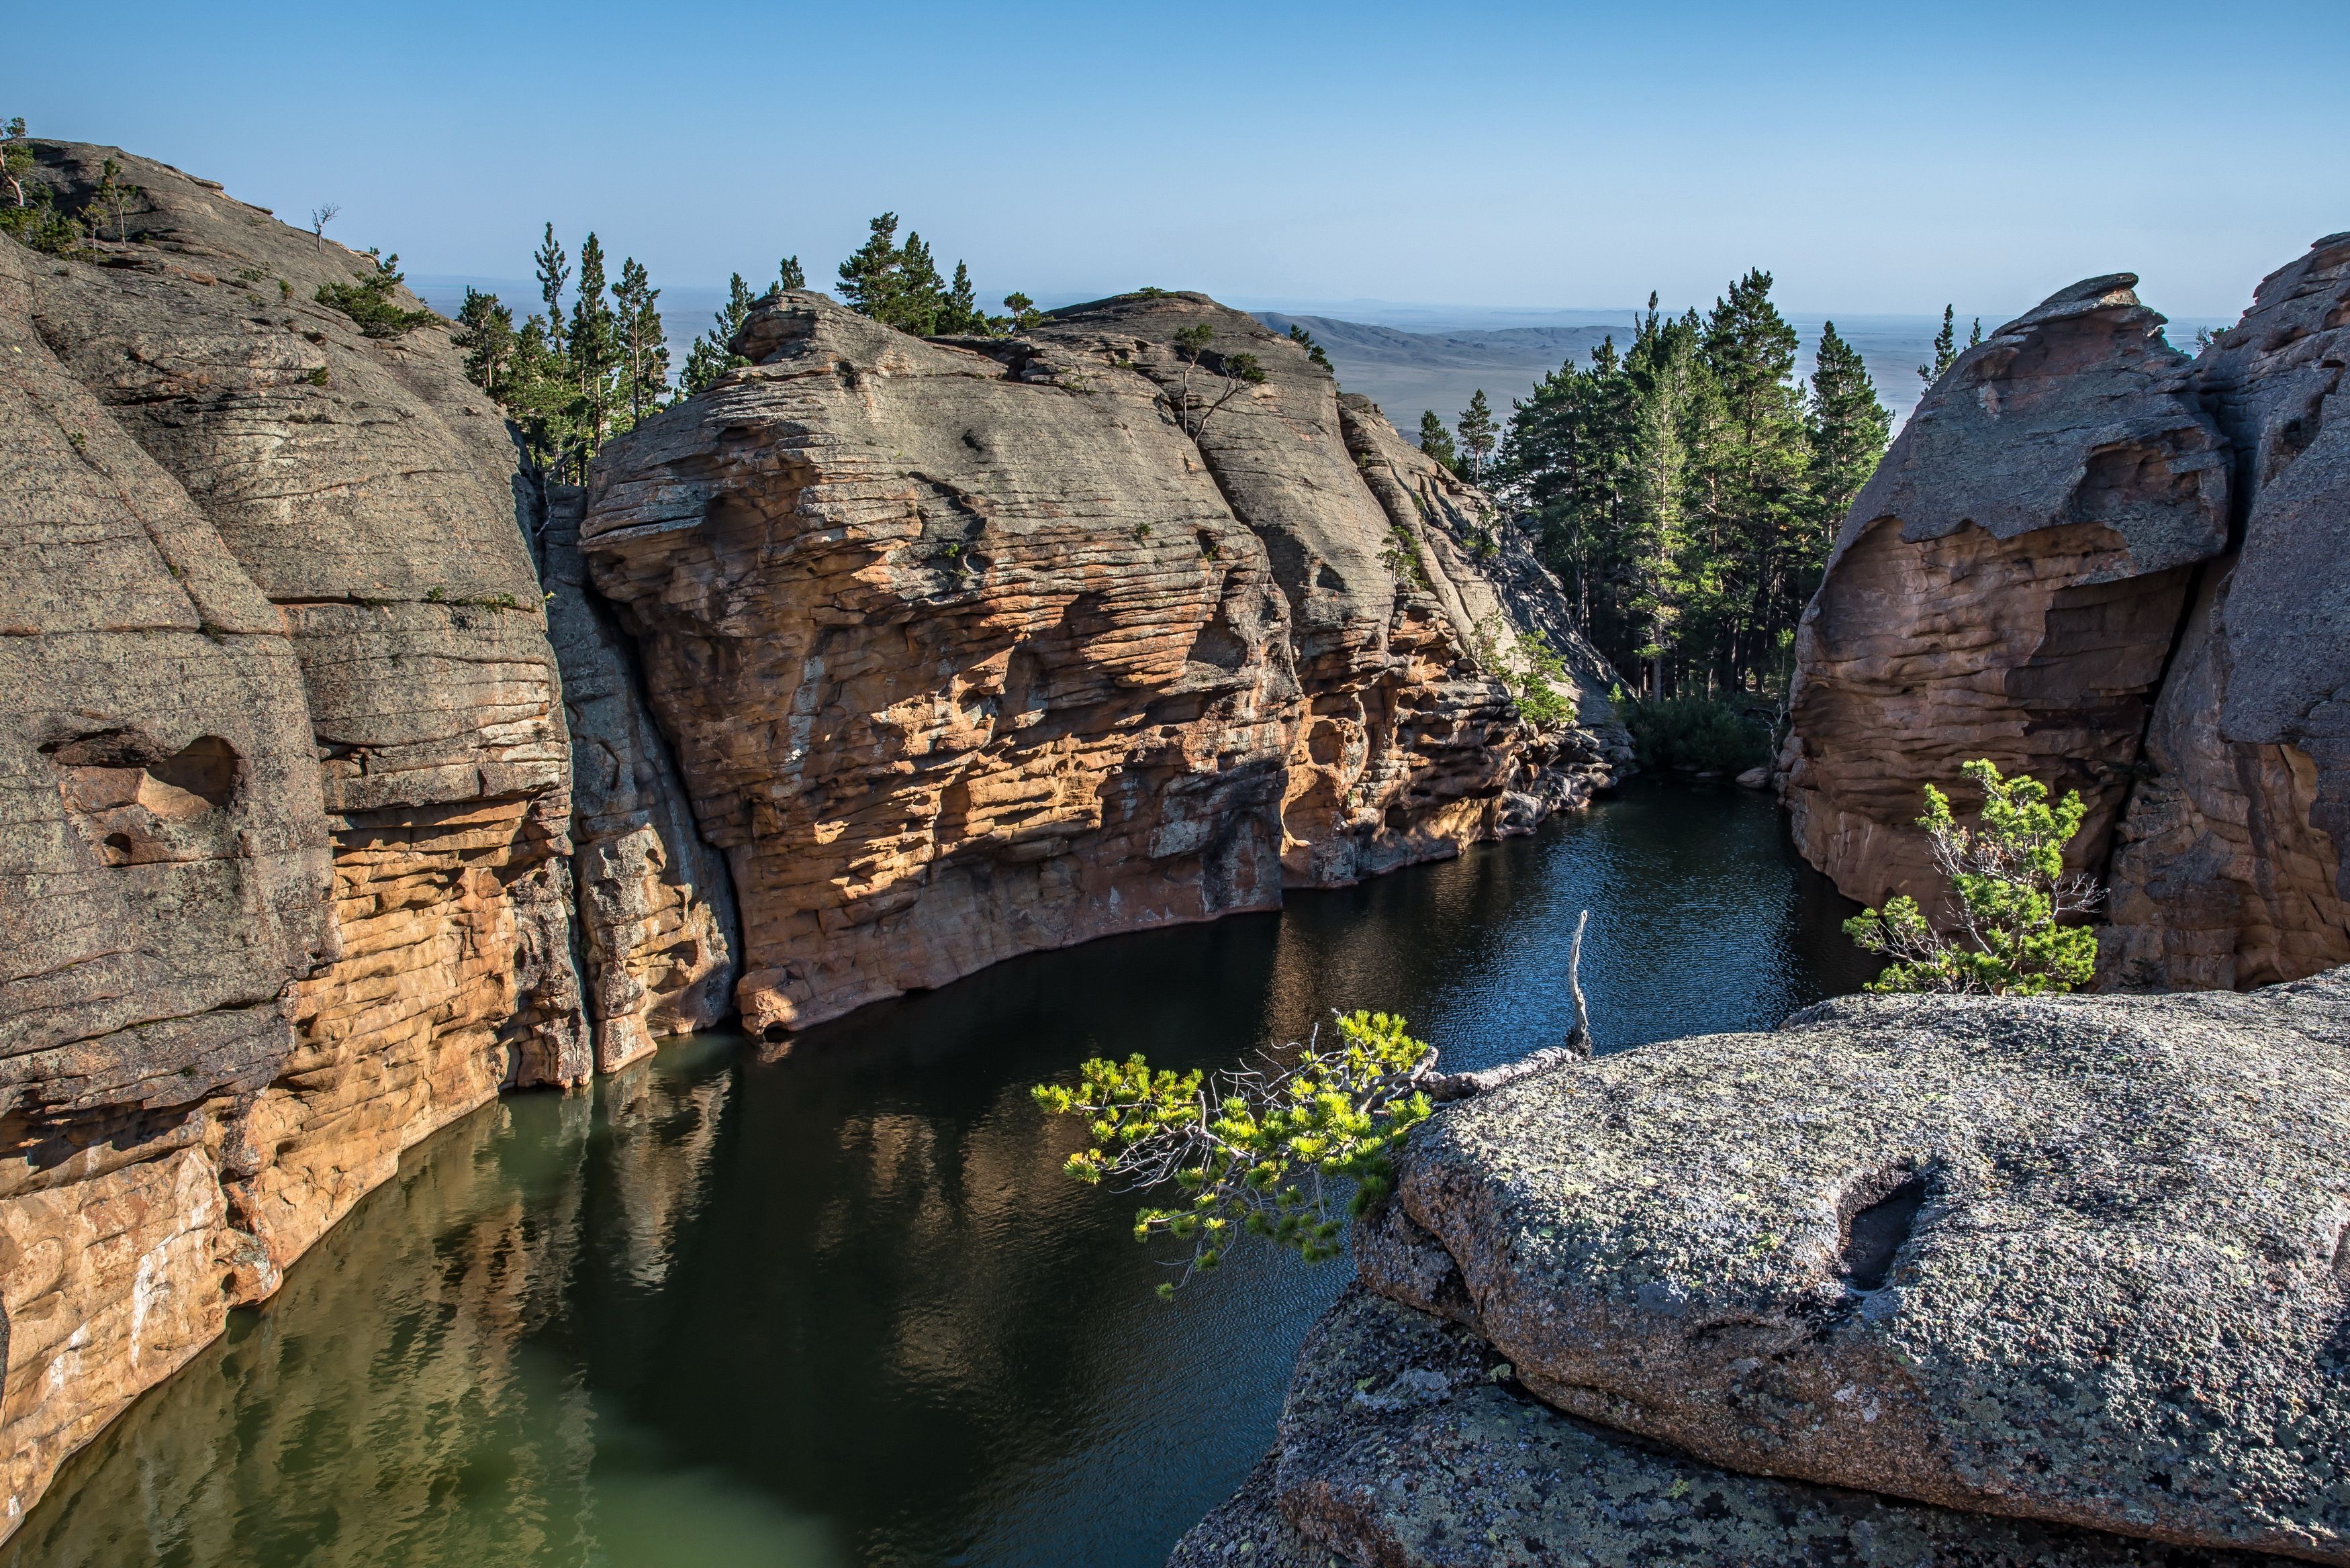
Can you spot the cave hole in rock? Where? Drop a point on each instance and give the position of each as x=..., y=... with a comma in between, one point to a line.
x=775, y=1033
x=1875, y=1235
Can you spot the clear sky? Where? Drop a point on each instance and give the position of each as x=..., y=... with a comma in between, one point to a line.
x=1882, y=158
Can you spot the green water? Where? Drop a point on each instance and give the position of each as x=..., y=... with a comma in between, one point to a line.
x=841, y=1307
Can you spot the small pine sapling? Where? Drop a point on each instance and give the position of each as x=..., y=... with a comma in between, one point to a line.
x=2012, y=893
x=369, y=301
x=1286, y=1153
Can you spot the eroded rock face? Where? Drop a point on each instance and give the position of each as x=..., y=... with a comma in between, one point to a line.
x=162, y=875
x=2230, y=869
x=656, y=911
x=290, y=783
x=2007, y=586
x=1408, y=1442
x=972, y=648
x=2076, y=1258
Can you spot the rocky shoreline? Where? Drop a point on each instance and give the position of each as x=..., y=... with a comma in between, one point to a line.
x=1635, y=1305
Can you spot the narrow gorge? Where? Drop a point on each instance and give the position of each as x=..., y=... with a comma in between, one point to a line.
x=355, y=774
x=356, y=771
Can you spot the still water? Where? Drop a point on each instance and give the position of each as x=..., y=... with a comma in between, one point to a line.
x=841, y=1307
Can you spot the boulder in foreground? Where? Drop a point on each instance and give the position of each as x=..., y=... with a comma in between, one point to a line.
x=2073, y=1259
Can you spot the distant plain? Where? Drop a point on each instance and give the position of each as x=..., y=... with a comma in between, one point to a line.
x=1406, y=357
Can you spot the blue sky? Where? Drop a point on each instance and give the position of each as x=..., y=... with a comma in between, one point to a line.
x=1876, y=159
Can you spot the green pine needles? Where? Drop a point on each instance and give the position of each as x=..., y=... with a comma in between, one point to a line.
x=2011, y=892
x=1287, y=1154
x=369, y=301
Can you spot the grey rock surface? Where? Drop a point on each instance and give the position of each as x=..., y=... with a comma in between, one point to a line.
x=1407, y=1442
x=2008, y=584
x=656, y=911
x=2072, y=1259
x=1248, y=1529
x=2232, y=869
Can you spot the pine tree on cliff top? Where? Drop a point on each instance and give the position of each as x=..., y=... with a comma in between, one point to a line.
x=870, y=279
x=1478, y=436
x=643, y=349
x=553, y=268
x=710, y=356
x=961, y=315
x=485, y=331
x=594, y=352
x=1946, y=347
x=1436, y=441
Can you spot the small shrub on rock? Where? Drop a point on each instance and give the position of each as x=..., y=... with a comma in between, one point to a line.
x=2013, y=895
x=369, y=302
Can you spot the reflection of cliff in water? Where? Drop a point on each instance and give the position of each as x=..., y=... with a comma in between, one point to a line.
x=842, y=1305
x=405, y=1365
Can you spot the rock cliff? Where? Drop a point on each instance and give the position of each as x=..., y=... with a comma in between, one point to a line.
x=2062, y=1276
x=2006, y=585
x=2231, y=871
x=978, y=647
x=330, y=772
x=2091, y=560
x=287, y=885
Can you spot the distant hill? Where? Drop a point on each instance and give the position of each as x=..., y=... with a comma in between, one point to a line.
x=1435, y=364
x=1404, y=372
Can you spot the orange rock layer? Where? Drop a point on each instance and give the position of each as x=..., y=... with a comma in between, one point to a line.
x=972, y=648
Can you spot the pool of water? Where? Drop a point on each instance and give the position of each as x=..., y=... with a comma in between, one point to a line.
x=840, y=1306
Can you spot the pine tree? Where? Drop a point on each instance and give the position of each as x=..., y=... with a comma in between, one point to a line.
x=485, y=331
x=789, y=278
x=1567, y=459
x=870, y=279
x=595, y=350
x=16, y=159
x=1672, y=398
x=1437, y=442
x=553, y=268
x=1845, y=428
x=713, y=353
x=643, y=348
x=921, y=307
x=1946, y=347
x=1478, y=434
x=1754, y=506
x=1305, y=339
x=1023, y=312
x=961, y=315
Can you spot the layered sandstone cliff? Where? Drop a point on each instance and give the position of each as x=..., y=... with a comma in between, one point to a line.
x=979, y=647
x=286, y=876
x=332, y=772
x=2006, y=585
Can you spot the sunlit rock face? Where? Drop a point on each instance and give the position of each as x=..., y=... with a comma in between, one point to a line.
x=2007, y=586
x=2230, y=869
x=290, y=777
x=974, y=647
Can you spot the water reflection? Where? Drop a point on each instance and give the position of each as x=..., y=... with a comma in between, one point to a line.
x=843, y=1307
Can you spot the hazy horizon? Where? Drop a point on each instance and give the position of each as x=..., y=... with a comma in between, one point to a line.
x=1309, y=158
